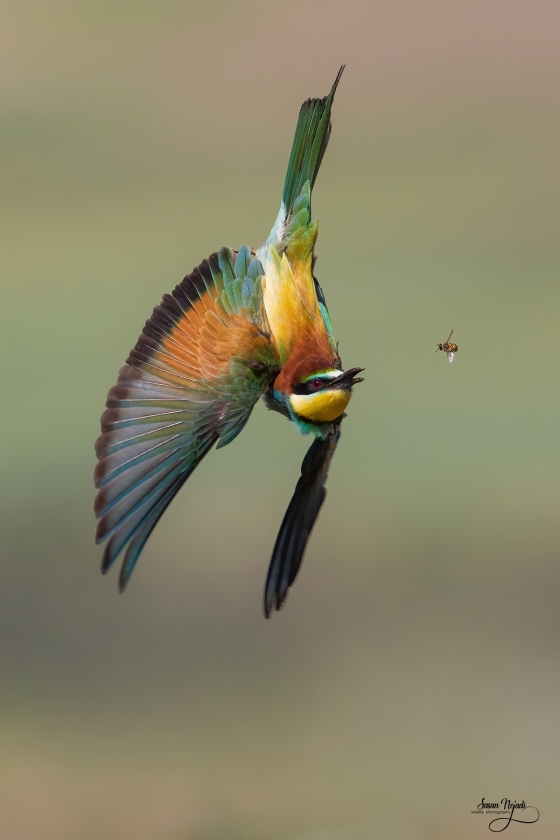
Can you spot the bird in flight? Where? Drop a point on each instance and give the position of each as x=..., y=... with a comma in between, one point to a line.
x=244, y=325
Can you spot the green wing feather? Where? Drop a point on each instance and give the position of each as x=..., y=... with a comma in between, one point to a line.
x=201, y=363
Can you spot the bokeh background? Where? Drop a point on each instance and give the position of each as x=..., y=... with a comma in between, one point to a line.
x=416, y=666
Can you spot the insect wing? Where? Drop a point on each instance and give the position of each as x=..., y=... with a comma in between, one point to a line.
x=450, y=356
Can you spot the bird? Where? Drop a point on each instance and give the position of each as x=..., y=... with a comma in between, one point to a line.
x=244, y=325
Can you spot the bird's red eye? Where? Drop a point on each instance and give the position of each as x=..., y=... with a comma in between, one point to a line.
x=316, y=384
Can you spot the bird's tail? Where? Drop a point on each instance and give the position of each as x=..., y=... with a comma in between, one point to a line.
x=310, y=141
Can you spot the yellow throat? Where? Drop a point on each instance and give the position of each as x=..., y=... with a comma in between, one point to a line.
x=322, y=407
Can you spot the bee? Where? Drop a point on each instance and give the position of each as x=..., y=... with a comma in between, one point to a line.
x=448, y=348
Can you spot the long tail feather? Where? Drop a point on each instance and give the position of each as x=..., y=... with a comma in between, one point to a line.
x=310, y=141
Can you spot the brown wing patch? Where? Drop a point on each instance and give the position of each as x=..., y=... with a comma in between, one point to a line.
x=204, y=350
x=185, y=387
x=191, y=337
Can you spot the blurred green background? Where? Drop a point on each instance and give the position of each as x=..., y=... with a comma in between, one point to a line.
x=416, y=666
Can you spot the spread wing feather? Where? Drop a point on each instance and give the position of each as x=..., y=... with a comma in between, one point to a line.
x=202, y=361
x=298, y=520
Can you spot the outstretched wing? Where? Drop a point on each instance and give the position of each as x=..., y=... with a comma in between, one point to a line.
x=201, y=363
x=299, y=519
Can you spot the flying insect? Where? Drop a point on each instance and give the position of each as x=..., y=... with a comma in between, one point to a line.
x=448, y=347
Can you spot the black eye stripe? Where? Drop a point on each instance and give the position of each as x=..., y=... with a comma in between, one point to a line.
x=309, y=387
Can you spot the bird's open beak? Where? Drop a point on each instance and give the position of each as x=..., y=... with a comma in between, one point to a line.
x=347, y=379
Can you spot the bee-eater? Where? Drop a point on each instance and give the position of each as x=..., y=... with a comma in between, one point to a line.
x=243, y=325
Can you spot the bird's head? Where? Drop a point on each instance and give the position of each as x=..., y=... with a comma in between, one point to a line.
x=322, y=396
